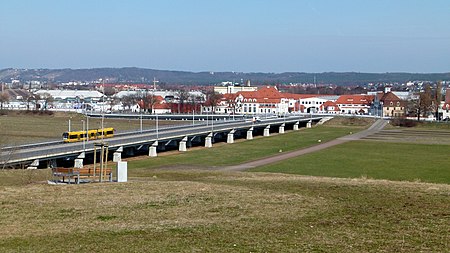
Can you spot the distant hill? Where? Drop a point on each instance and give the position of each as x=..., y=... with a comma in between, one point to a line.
x=142, y=75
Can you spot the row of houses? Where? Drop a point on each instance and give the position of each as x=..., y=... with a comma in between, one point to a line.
x=269, y=100
x=261, y=100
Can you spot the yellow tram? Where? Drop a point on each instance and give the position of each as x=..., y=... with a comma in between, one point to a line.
x=94, y=134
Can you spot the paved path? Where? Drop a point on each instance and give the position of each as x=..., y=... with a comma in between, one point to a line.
x=376, y=127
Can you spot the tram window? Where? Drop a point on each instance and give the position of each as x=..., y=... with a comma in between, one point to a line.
x=109, y=132
x=73, y=136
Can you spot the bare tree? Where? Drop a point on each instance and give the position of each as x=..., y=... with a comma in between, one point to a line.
x=109, y=91
x=147, y=101
x=183, y=96
x=4, y=98
x=425, y=103
x=437, y=99
x=35, y=98
x=129, y=101
x=27, y=98
x=212, y=99
x=48, y=100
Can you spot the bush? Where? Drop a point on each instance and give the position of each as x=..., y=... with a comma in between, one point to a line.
x=403, y=122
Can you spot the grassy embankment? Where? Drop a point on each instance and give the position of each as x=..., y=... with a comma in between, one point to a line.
x=204, y=211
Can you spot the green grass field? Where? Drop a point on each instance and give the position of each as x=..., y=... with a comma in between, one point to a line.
x=369, y=159
x=246, y=150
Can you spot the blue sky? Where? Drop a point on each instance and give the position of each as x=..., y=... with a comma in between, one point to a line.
x=228, y=35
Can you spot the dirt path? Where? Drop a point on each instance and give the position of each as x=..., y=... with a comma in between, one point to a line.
x=376, y=127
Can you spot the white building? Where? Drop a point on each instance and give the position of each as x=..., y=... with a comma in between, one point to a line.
x=72, y=94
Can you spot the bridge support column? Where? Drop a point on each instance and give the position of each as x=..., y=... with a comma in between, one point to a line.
x=250, y=133
x=230, y=136
x=152, y=149
x=267, y=131
x=33, y=165
x=308, y=124
x=208, y=140
x=182, y=145
x=117, y=156
x=281, y=129
x=51, y=163
x=296, y=126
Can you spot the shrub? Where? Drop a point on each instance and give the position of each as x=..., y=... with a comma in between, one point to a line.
x=403, y=122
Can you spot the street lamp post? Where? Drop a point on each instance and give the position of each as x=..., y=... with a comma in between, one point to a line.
x=84, y=135
x=157, y=133
x=140, y=122
x=87, y=127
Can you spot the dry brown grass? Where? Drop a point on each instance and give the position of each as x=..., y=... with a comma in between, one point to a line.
x=190, y=211
x=350, y=121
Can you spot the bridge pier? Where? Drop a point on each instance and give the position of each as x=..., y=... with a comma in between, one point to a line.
x=52, y=163
x=296, y=126
x=267, y=131
x=34, y=165
x=308, y=124
x=208, y=140
x=230, y=136
x=250, y=133
x=182, y=145
x=281, y=129
x=152, y=149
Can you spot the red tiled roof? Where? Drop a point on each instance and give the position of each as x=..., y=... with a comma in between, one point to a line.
x=229, y=96
x=265, y=92
x=389, y=97
x=327, y=104
x=355, y=99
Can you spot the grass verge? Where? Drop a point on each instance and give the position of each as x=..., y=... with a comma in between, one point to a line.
x=244, y=151
x=368, y=159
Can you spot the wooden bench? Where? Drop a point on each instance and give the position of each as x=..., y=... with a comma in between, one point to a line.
x=78, y=173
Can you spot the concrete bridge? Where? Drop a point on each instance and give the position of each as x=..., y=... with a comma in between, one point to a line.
x=151, y=142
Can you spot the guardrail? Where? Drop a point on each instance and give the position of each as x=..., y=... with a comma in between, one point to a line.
x=59, y=149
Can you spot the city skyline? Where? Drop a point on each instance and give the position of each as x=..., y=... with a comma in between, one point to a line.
x=250, y=36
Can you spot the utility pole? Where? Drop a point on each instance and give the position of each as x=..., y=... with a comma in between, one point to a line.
x=154, y=83
x=84, y=135
x=140, y=122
